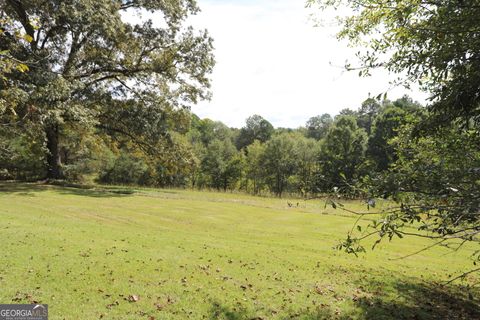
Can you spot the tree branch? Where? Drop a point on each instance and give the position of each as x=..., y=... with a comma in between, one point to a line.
x=17, y=6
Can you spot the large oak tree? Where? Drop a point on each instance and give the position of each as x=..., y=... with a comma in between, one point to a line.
x=89, y=66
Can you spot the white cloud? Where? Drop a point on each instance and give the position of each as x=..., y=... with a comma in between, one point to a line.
x=272, y=61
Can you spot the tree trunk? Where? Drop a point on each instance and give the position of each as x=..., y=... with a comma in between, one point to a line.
x=53, y=157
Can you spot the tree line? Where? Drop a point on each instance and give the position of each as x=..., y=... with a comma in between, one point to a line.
x=326, y=153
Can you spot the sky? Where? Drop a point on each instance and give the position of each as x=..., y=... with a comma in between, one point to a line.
x=272, y=60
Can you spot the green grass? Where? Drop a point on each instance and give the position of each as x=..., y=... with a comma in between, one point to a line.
x=205, y=255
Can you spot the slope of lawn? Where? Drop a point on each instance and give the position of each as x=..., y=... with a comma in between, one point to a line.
x=169, y=254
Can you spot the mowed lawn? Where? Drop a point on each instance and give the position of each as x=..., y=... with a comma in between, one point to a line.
x=169, y=254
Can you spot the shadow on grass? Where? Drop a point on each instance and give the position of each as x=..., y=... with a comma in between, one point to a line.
x=29, y=189
x=408, y=301
x=219, y=311
x=21, y=188
x=422, y=302
x=97, y=193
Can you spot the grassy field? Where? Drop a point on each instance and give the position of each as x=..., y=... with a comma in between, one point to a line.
x=169, y=254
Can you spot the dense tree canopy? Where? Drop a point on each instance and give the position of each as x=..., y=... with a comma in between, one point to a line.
x=342, y=154
x=367, y=113
x=317, y=127
x=88, y=66
x=256, y=128
x=279, y=162
x=222, y=164
x=386, y=127
x=254, y=169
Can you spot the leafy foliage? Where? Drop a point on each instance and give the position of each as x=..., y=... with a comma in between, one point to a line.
x=433, y=43
x=317, y=127
x=435, y=183
x=386, y=127
x=256, y=128
x=279, y=162
x=222, y=164
x=342, y=154
x=91, y=67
